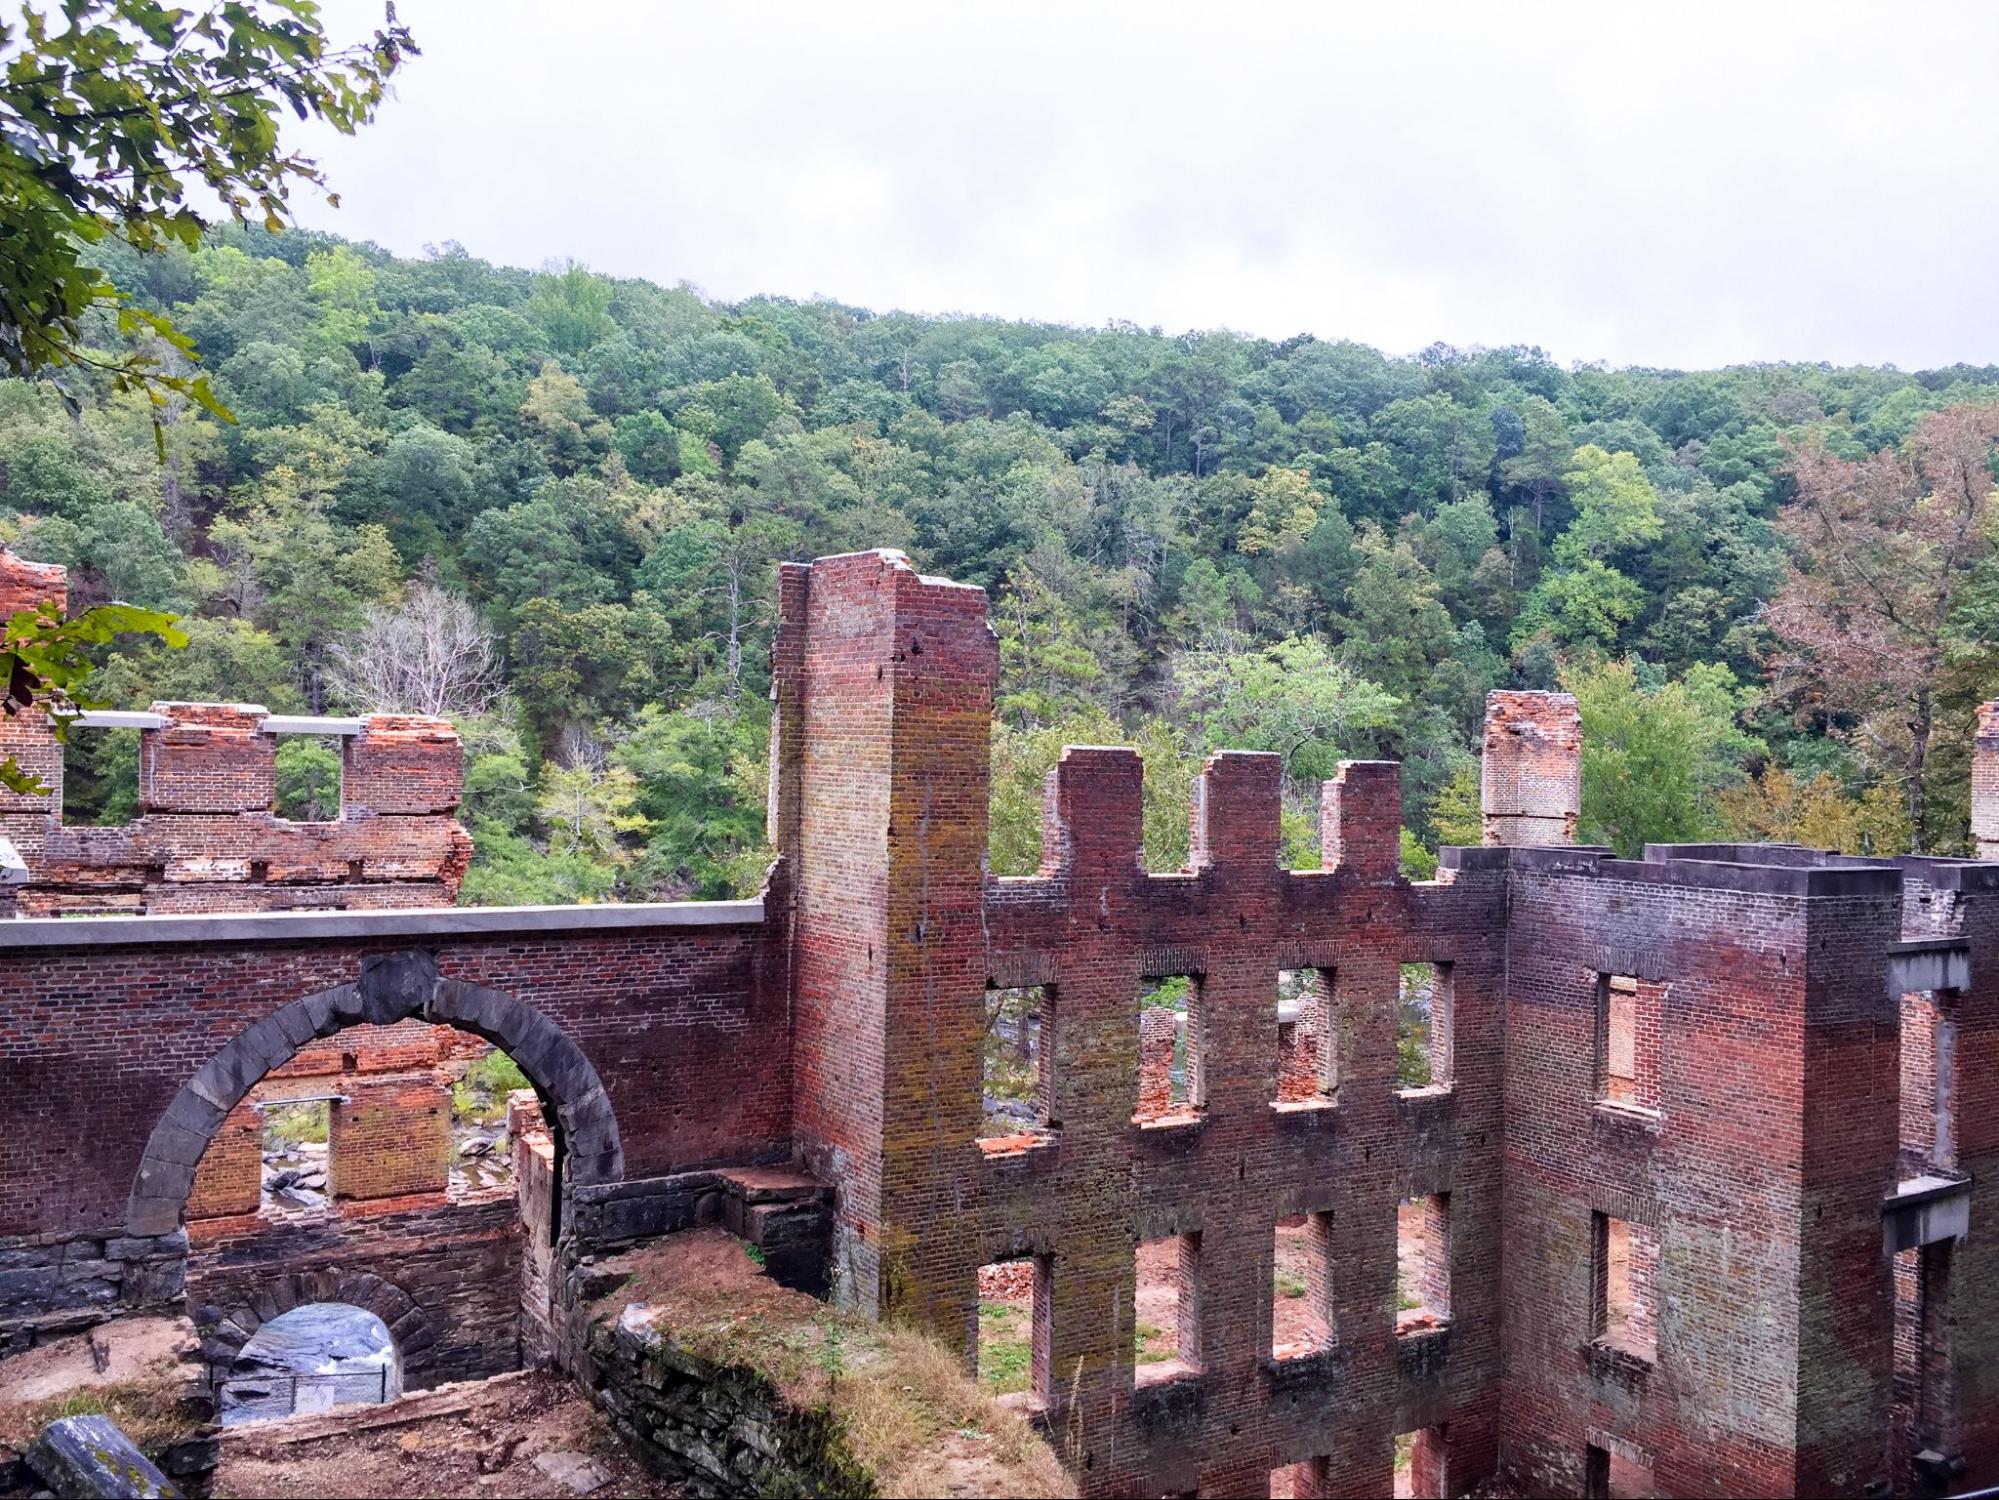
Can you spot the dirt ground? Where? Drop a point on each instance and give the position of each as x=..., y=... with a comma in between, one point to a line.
x=482, y=1439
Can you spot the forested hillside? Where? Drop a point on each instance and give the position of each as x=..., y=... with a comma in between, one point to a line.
x=550, y=505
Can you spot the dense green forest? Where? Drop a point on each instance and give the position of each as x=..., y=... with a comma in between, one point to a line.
x=549, y=504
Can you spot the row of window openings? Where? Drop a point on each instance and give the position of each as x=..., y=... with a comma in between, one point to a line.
x=101, y=778
x=1422, y=1470
x=1015, y=1298
x=1019, y=1060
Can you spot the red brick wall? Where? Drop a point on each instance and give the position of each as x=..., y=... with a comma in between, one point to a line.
x=686, y=1027
x=1531, y=768
x=390, y=1138
x=230, y=1180
x=208, y=838
x=1776, y=1113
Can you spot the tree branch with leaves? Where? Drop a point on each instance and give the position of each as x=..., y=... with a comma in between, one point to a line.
x=112, y=111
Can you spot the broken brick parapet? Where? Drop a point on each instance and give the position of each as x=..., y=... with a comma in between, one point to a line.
x=208, y=837
x=1530, y=787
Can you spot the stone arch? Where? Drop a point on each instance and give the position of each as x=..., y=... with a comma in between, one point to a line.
x=225, y=1330
x=392, y=987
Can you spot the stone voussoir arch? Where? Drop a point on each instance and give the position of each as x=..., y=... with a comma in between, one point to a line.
x=392, y=987
x=226, y=1330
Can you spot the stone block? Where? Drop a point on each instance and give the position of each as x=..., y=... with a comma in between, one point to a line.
x=91, y=1459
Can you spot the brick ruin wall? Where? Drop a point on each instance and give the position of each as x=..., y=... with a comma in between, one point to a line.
x=1691, y=1178
x=1704, y=1098
x=208, y=837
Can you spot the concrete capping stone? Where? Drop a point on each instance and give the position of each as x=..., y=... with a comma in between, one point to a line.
x=112, y=718
x=309, y=724
x=1471, y=857
x=1952, y=874
x=253, y=929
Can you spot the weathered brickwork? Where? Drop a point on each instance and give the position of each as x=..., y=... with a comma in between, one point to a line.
x=208, y=837
x=1530, y=772
x=390, y=1138
x=1689, y=1203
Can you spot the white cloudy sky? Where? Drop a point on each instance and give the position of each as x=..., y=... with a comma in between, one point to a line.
x=1665, y=184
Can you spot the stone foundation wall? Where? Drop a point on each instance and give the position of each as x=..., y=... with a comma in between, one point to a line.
x=53, y=1284
x=712, y=1428
x=446, y=1279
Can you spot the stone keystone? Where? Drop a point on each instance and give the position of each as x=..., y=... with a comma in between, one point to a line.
x=396, y=985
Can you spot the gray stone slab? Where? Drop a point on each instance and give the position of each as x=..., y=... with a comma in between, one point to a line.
x=573, y=1471
x=396, y=985
x=88, y=1457
x=156, y=1214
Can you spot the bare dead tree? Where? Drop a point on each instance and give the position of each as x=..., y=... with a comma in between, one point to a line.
x=430, y=654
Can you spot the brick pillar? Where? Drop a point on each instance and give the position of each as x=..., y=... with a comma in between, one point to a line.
x=1985, y=782
x=1849, y=1129
x=1530, y=784
x=390, y=1138
x=213, y=758
x=410, y=764
x=787, y=707
x=230, y=1178
x=1360, y=820
x=26, y=736
x=895, y=676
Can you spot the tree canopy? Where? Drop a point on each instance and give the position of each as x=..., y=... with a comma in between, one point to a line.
x=553, y=502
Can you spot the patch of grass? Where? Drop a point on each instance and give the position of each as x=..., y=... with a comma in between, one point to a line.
x=756, y=1254
x=480, y=1097
x=1150, y=1344
x=152, y=1412
x=296, y=1124
x=1291, y=1284
x=1006, y=1348
x=905, y=1412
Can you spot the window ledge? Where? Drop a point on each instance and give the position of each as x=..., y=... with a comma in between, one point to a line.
x=1186, y=1118
x=1637, y=1116
x=1427, y=1091
x=1164, y=1372
x=1415, y=1322
x=1026, y=1143
x=1316, y=1104
x=1618, y=1363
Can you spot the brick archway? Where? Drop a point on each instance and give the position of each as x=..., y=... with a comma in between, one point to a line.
x=392, y=987
x=226, y=1330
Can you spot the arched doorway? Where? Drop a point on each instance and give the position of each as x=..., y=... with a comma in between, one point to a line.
x=391, y=987
x=312, y=1357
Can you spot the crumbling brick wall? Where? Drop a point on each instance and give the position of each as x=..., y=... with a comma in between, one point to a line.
x=1530, y=770
x=208, y=837
x=1679, y=1082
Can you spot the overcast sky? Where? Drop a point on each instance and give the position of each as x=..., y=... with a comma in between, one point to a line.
x=1684, y=187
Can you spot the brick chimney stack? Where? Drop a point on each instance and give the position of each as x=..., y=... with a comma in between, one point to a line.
x=1530, y=786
